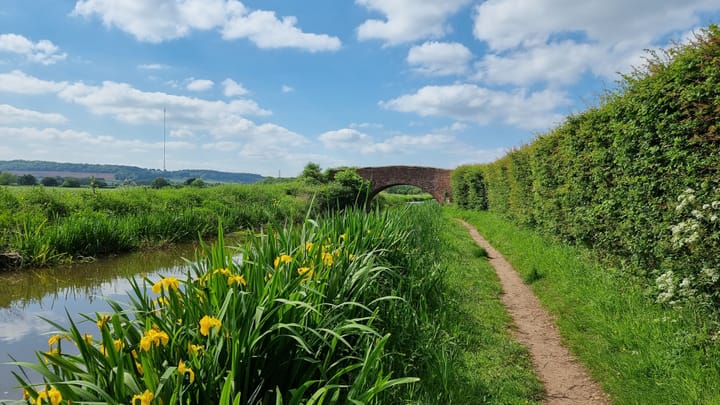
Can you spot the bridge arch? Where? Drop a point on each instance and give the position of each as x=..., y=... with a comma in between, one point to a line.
x=433, y=180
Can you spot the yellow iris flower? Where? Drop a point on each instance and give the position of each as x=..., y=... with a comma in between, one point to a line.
x=145, y=398
x=182, y=369
x=166, y=283
x=208, y=322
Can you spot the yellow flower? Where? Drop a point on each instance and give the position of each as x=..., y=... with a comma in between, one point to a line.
x=308, y=245
x=119, y=344
x=160, y=301
x=226, y=272
x=306, y=271
x=282, y=259
x=276, y=262
x=240, y=280
x=186, y=370
x=153, y=337
x=268, y=276
x=145, y=398
x=167, y=283
x=102, y=321
x=343, y=236
x=139, y=368
x=26, y=394
x=195, y=349
x=52, y=352
x=56, y=338
x=208, y=322
x=40, y=397
x=54, y=396
x=88, y=338
x=327, y=258
x=351, y=257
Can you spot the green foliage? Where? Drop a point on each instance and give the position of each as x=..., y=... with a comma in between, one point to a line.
x=312, y=174
x=469, y=189
x=609, y=177
x=159, y=182
x=45, y=225
x=49, y=182
x=7, y=178
x=339, y=310
x=71, y=182
x=27, y=180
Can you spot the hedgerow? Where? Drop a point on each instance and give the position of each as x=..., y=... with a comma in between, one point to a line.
x=616, y=177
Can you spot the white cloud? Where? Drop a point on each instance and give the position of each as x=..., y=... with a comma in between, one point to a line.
x=407, y=20
x=468, y=102
x=349, y=139
x=558, y=63
x=10, y=115
x=233, y=88
x=440, y=58
x=505, y=24
x=163, y=20
x=344, y=138
x=265, y=30
x=128, y=104
x=287, y=89
x=557, y=41
x=20, y=83
x=199, y=84
x=43, y=51
x=153, y=66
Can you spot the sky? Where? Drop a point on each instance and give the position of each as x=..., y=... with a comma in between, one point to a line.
x=268, y=86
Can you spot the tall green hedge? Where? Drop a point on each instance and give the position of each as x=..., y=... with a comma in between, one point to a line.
x=612, y=177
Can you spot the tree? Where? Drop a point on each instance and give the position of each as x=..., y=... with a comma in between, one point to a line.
x=49, y=182
x=197, y=183
x=346, y=189
x=71, y=182
x=7, y=178
x=312, y=174
x=159, y=182
x=27, y=180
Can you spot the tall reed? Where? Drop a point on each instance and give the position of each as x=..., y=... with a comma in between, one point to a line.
x=338, y=310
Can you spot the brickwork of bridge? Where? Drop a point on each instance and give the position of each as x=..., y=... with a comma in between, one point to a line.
x=434, y=181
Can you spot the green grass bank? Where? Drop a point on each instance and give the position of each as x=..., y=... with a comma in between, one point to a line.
x=640, y=351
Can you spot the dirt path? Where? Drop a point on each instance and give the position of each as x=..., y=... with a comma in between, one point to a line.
x=566, y=380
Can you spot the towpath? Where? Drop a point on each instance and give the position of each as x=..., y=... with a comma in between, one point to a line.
x=566, y=380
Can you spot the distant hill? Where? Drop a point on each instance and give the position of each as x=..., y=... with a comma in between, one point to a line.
x=118, y=173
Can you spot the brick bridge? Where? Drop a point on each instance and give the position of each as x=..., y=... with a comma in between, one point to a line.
x=434, y=181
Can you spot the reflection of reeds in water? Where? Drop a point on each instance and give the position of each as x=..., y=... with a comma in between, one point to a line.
x=67, y=282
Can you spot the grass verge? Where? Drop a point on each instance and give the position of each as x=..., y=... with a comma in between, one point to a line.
x=491, y=367
x=639, y=351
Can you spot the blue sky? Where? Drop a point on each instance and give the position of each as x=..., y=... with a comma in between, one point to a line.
x=267, y=86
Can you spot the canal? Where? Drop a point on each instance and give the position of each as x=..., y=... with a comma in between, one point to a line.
x=28, y=296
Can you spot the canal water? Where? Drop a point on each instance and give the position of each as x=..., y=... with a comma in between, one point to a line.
x=27, y=296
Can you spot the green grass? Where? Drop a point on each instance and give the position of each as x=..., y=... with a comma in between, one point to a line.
x=50, y=225
x=639, y=351
x=490, y=367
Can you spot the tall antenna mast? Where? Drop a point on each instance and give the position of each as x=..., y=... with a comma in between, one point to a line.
x=164, y=139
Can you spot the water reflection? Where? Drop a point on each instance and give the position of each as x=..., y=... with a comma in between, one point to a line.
x=26, y=296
